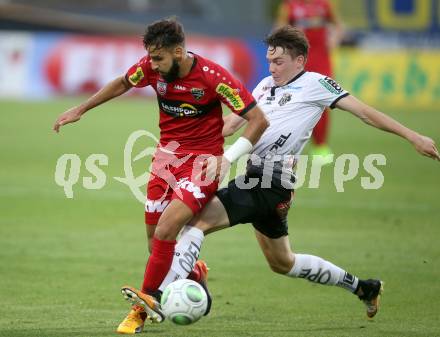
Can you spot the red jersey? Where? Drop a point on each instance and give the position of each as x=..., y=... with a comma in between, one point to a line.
x=312, y=16
x=190, y=107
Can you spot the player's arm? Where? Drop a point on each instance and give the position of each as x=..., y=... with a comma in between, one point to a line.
x=111, y=90
x=232, y=123
x=373, y=117
x=255, y=126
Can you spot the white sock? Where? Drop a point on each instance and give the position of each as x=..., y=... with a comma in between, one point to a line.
x=318, y=270
x=186, y=253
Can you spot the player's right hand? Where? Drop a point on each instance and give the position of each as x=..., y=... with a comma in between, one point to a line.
x=70, y=116
x=426, y=146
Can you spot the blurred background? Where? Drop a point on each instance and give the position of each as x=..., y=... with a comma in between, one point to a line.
x=389, y=52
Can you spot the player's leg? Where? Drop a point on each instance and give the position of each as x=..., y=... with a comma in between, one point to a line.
x=157, y=200
x=319, y=146
x=174, y=217
x=188, y=198
x=150, y=229
x=213, y=217
x=282, y=260
x=320, y=131
x=231, y=205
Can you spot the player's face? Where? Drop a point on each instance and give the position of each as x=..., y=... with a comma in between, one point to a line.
x=282, y=66
x=165, y=62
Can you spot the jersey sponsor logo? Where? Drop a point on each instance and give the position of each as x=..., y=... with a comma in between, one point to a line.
x=152, y=206
x=284, y=99
x=197, y=93
x=231, y=95
x=137, y=76
x=280, y=142
x=179, y=87
x=185, y=184
x=331, y=85
x=161, y=87
x=182, y=110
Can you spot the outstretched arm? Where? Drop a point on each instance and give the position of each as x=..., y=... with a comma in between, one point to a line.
x=111, y=90
x=373, y=117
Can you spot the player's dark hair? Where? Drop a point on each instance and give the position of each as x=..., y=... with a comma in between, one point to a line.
x=291, y=39
x=164, y=33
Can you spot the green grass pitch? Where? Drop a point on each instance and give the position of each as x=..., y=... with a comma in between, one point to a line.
x=62, y=261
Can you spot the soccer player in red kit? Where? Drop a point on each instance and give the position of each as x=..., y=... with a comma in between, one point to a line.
x=190, y=90
x=315, y=17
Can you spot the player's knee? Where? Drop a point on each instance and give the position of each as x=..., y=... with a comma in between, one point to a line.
x=203, y=226
x=167, y=233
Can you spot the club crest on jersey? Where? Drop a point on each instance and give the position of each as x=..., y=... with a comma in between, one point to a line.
x=161, y=87
x=286, y=98
x=197, y=93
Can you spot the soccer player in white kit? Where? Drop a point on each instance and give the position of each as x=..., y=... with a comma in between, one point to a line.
x=293, y=101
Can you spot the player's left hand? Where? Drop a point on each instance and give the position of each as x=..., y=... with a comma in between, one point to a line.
x=70, y=116
x=426, y=146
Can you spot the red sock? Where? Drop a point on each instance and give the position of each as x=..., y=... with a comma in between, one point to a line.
x=321, y=129
x=195, y=274
x=158, y=264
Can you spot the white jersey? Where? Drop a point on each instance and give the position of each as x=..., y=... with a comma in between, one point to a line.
x=293, y=111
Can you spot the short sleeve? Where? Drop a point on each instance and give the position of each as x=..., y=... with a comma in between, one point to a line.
x=138, y=74
x=231, y=91
x=326, y=92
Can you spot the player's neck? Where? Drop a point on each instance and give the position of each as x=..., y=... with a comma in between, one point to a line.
x=186, y=65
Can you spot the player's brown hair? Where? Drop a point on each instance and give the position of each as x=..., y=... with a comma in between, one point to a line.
x=291, y=39
x=164, y=33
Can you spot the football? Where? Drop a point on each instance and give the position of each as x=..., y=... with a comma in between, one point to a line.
x=184, y=302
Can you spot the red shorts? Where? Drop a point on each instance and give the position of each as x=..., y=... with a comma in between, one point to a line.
x=173, y=177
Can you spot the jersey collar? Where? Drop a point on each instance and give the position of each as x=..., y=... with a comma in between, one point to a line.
x=295, y=78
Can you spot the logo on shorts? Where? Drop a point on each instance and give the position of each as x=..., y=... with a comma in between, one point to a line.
x=161, y=87
x=185, y=184
x=152, y=206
